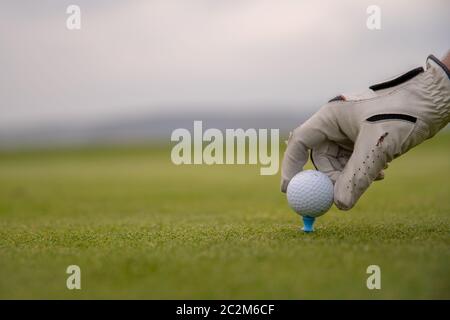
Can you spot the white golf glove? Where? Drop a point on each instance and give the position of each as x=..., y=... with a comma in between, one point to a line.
x=353, y=137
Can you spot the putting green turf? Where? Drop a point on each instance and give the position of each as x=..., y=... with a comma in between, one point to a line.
x=140, y=227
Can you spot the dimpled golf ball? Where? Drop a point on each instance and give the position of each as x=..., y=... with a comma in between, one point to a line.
x=310, y=193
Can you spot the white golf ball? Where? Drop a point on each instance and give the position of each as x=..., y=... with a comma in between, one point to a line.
x=310, y=193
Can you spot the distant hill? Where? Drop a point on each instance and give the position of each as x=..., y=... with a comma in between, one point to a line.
x=138, y=129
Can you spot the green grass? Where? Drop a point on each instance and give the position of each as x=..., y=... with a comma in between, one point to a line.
x=140, y=227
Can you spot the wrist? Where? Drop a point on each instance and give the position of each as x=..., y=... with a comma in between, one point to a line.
x=446, y=60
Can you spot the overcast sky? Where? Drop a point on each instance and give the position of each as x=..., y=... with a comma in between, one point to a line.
x=159, y=57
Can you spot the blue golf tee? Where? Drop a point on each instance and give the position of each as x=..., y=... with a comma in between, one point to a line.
x=308, y=223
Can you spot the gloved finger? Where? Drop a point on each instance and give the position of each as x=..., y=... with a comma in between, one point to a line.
x=330, y=158
x=302, y=139
x=376, y=145
x=380, y=176
x=295, y=157
x=307, y=136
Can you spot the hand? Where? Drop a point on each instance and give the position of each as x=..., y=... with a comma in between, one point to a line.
x=354, y=137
